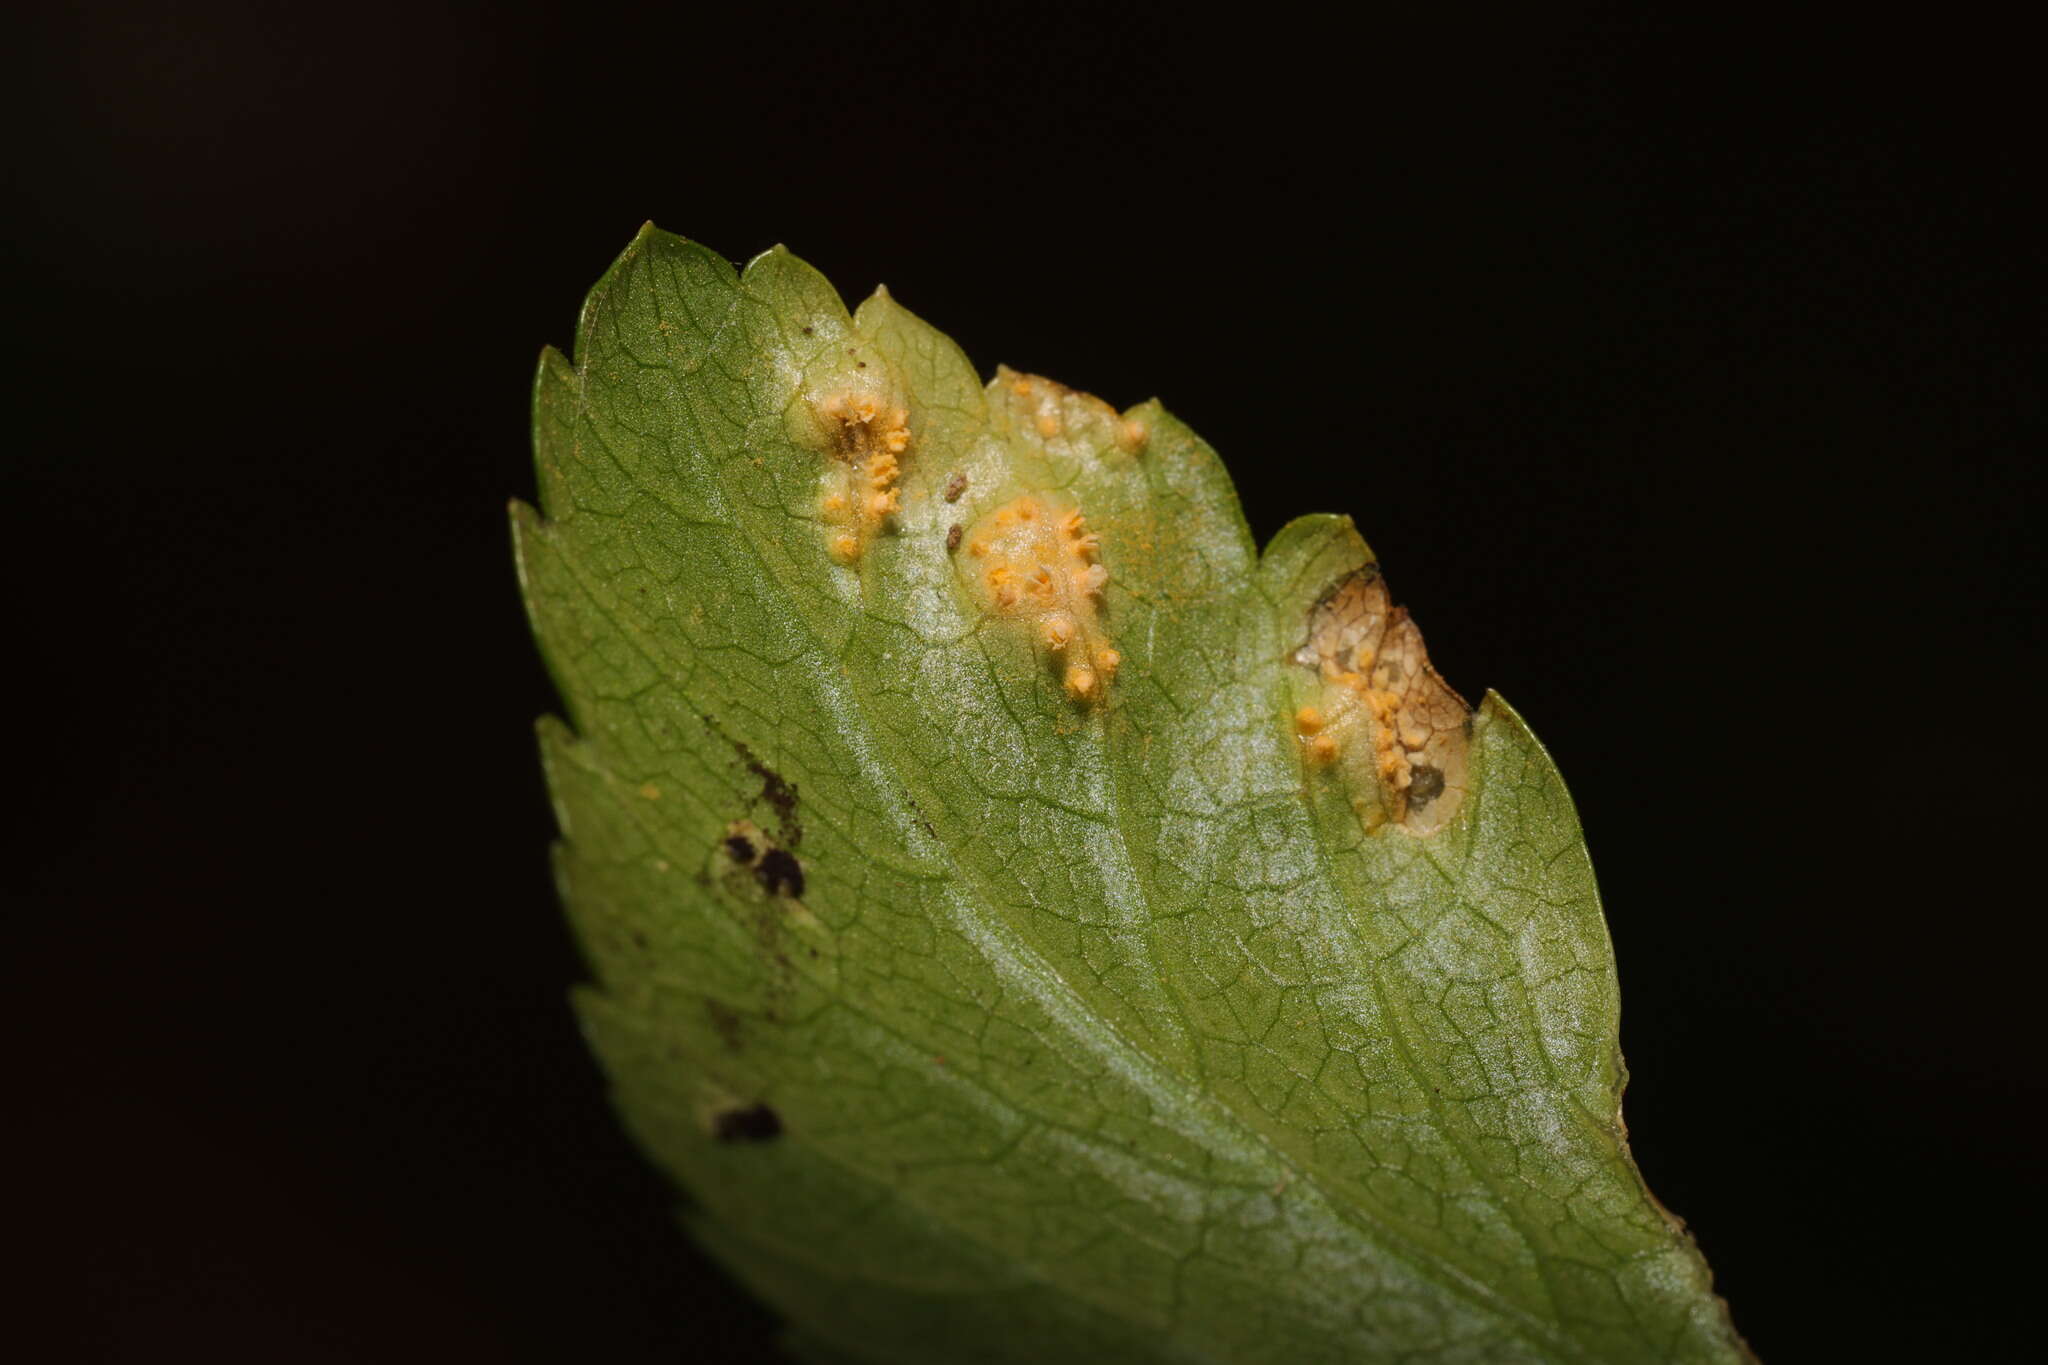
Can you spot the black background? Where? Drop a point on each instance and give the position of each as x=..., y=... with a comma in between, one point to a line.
x=1685, y=377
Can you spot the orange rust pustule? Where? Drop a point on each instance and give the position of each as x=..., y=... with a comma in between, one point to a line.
x=1048, y=414
x=867, y=440
x=1382, y=709
x=1037, y=563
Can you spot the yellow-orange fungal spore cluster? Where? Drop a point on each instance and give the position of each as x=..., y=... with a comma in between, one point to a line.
x=1381, y=707
x=1046, y=411
x=1039, y=564
x=866, y=439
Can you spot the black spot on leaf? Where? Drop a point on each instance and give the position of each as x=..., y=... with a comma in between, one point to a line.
x=1425, y=784
x=755, y=1123
x=781, y=873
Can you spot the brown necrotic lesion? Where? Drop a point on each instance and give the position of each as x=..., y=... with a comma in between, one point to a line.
x=1377, y=713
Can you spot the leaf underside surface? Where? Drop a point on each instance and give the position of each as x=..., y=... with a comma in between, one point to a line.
x=1030, y=923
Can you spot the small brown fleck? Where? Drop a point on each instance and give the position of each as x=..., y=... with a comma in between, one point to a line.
x=953, y=534
x=725, y=1022
x=740, y=847
x=955, y=486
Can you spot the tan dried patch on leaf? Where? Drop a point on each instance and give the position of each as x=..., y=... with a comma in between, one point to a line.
x=1379, y=713
x=866, y=436
x=1033, y=560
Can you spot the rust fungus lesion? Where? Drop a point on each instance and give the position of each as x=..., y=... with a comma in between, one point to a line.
x=1034, y=561
x=1378, y=712
x=866, y=436
x=1049, y=414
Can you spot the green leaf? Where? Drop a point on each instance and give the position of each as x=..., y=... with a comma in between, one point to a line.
x=1075, y=936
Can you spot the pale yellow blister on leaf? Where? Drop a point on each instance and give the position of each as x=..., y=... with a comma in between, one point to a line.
x=1033, y=560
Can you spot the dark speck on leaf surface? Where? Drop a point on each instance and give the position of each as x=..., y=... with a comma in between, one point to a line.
x=740, y=847
x=725, y=1023
x=1425, y=785
x=780, y=795
x=755, y=1123
x=953, y=536
x=781, y=873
